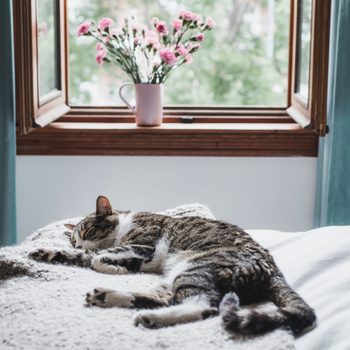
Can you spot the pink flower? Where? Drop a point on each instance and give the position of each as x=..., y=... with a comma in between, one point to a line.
x=83, y=28
x=188, y=58
x=187, y=15
x=101, y=54
x=152, y=41
x=99, y=47
x=161, y=27
x=200, y=37
x=168, y=56
x=156, y=61
x=104, y=23
x=114, y=32
x=151, y=34
x=177, y=24
x=181, y=50
x=210, y=23
x=135, y=27
x=198, y=19
x=194, y=48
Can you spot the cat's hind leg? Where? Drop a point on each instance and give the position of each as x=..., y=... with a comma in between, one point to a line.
x=293, y=313
x=194, y=299
x=195, y=308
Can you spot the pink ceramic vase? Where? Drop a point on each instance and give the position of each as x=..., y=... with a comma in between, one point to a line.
x=149, y=103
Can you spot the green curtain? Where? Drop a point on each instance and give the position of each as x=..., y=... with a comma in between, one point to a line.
x=333, y=188
x=7, y=128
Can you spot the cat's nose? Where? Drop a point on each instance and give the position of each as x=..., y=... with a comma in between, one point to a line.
x=78, y=246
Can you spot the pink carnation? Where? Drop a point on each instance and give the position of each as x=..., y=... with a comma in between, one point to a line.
x=152, y=41
x=194, y=48
x=83, y=28
x=99, y=47
x=210, y=23
x=181, y=50
x=101, y=54
x=168, y=56
x=156, y=61
x=114, y=32
x=135, y=27
x=177, y=24
x=187, y=15
x=151, y=34
x=198, y=19
x=188, y=58
x=104, y=23
x=200, y=37
x=161, y=27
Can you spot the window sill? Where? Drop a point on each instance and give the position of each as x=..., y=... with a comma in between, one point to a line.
x=170, y=139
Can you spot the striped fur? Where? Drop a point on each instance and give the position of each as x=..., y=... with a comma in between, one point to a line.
x=209, y=266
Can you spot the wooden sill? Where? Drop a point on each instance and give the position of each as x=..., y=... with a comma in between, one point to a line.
x=170, y=139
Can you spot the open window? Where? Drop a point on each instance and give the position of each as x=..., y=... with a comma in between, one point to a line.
x=309, y=66
x=48, y=111
x=40, y=54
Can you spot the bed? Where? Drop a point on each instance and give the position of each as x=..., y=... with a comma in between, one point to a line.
x=42, y=305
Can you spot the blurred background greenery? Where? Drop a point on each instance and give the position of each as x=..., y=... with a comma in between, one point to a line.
x=242, y=62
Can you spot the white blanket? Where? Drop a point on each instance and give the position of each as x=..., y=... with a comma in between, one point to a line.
x=316, y=264
x=41, y=305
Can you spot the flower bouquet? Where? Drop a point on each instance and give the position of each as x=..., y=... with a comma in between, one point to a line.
x=148, y=54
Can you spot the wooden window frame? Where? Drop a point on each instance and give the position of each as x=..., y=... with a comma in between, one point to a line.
x=187, y=130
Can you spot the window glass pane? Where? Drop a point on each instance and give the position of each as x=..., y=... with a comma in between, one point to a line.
x=47, y=45
x=303, y=53
x=242, y=62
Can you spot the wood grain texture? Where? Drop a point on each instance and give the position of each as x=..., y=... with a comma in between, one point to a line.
x=315, y=109
x=31, y=109
x=172, y=140
x=213, y=131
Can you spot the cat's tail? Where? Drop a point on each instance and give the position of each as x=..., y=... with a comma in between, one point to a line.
x=293, y=313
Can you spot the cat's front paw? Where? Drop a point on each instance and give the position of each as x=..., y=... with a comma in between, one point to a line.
x=43, y=254
x=106, y=264
x=103, y=297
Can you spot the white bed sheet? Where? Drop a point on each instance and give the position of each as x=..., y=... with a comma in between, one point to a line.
x=316, y=263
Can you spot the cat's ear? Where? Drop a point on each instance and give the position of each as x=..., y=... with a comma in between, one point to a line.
x=103, y=206
x=69, y=226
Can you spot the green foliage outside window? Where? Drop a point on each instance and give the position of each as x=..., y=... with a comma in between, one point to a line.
x=242, y=62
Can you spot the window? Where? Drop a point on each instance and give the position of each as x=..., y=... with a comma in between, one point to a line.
x=251, y=93
x=243, y=62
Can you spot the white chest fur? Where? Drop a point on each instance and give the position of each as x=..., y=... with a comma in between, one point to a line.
x=125, y=225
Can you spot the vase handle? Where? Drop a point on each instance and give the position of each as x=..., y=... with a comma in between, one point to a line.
x=124, y=99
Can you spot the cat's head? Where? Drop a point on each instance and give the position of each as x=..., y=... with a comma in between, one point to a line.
x=97, y=230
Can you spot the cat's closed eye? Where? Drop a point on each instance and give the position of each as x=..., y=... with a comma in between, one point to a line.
x=89, y=233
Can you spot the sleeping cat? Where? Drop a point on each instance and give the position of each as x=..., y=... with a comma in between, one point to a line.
x=210, y=267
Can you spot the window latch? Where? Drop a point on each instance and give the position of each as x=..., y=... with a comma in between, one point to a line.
x=187, y=120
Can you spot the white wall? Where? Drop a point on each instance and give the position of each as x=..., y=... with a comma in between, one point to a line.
x=275, y=193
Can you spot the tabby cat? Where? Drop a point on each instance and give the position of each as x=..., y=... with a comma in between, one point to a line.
x=210, y=267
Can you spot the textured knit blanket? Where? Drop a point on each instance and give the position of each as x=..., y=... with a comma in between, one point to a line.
x=42, y=305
